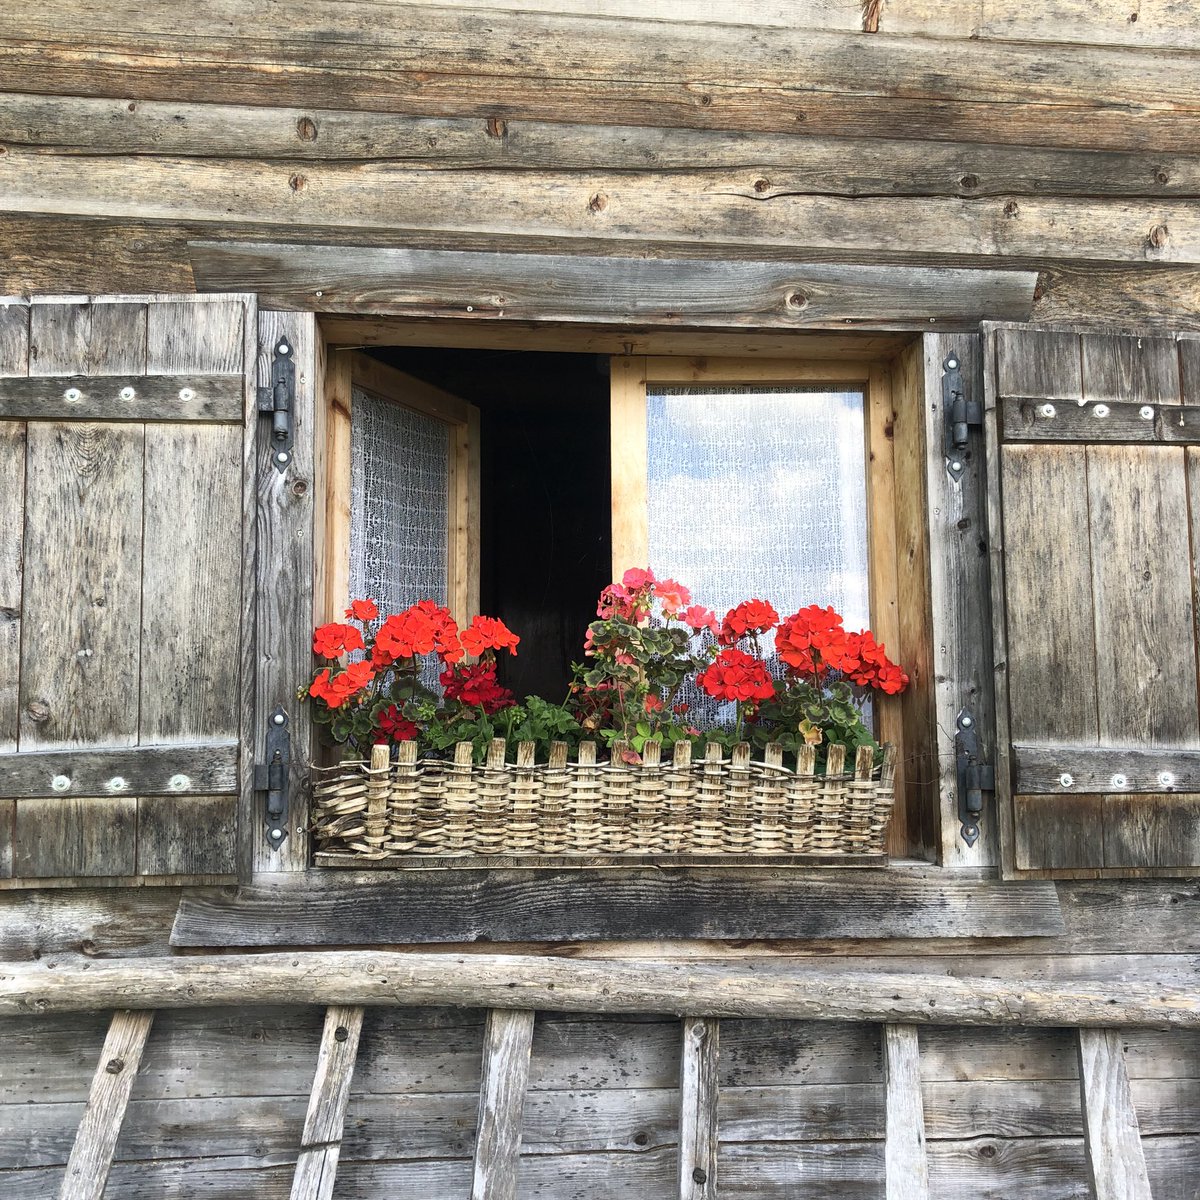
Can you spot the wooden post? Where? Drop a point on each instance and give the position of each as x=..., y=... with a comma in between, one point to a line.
x=507, y=1042
x=96, y=1141
x=321, y=1142
x=698, y=1087
x=1110, y=1125
x=905, y=1166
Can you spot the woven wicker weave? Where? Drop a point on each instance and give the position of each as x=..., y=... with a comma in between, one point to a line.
x=715, y=806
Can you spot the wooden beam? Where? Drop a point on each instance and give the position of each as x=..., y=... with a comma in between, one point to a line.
x=96, y=1142
x=628, y=450
x=1111, y=1136
x=507, y=1043
x=906, y=1170
x=433, y=61
x=793, y=991
x=215, y=398
x=1068, y=770
x=698, y=1089
x=470, y=904
x=321, y=1141
x=579, y=288
x=202, y=769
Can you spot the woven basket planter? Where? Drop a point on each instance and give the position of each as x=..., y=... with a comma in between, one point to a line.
x=412, y=812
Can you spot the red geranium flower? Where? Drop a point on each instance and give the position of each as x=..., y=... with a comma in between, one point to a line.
x=699, y=617
x=751, y=616
x=736, y=675
x=395, y=725
x=334, y=640
x=488, y=633
x=476, y=685
x=335, y=690
x=674, y=596
x=363, y=610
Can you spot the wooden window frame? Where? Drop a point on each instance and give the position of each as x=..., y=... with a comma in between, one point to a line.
x=346, y=370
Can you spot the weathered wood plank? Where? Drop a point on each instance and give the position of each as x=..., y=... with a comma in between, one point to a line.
x=1114, y=1148
x=123, y=398
x=514, y=982
x=534, y=906
x=905, y=1165
x=1152, y=831
x=1037, y=363
x=284, y=522
x=1098, y=422
x=187, y=835
x=320, y=1145
x=1144, y=370
x=434, y=61
x=728, y=208
x=14, y=362
x=1169, y=24
x=1040, y=767
x=75, y=836
x=92, y=1155
x=698, y=1103
x=577, y=288
x=839, y=165
x=201, y=768
x=507, y=1043
x=1060, y=832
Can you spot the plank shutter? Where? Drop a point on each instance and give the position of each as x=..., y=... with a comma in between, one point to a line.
x=1094, y=466
x=126, y=547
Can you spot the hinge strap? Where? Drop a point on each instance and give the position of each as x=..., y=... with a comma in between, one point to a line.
x=974, y=776
x=271, y=777
x=278, y=400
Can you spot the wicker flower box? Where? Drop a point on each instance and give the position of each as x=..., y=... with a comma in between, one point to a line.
x=426, y=811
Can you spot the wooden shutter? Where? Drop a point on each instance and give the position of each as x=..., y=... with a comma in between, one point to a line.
x=125, y=541
x=1094, y=473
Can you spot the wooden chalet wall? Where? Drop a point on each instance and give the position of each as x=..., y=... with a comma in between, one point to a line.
x=1062, y=137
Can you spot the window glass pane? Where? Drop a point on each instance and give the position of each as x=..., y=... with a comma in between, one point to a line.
x=760, y=492
x=400, y=498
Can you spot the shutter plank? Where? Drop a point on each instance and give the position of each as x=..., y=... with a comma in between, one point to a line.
x=1189, y=369
x=1050, y=631
x=14, y=361
x=1142, y=588
x=1112, y=1139
x=60, y=836
x=1058, y=832
x=1152, y=831
x=698, y=1091
x=186, y=835
x=1031, y=363
x=1143, y=370
x=507, y=1042
x=906, y=1168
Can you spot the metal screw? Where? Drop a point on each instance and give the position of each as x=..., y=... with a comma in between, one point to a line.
x=278, y=718
x=1166, y=778
x=60, y=783
x=186, y=394
x=276, y=834
x=118, y=783
x=72, y=395
x=952, y=363
x=1146, y=412
x=281, y=458
x=179, y=783
x=470, y=308
x=967, y=722
x=284, y=348
x=1066, y=779
x=1047, y=410
x=1101, y=410
x=1119, y=781
x=956, y=465
x=127, y=393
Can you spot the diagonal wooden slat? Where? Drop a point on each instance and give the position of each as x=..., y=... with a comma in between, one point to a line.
x=905, y=1166
x=698, y=1088
x=321, y=1142
x=1111, y=1135
x=95, y=1142
x=507, y=1042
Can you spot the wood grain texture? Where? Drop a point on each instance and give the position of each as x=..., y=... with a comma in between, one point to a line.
x=1130, y=369
x=1039, y=363
x=187, y=835
x=1058, y=832
x=123, y=398
x=1116, y=1162
x=335, y=565
x=14, y=362
x=699, y=1085
x=628, y=450
x=316, y=1168
x=726, y=208
x=579, y=288
x=434, y=61
x=507, y=1044
x=325, y=908
x=285, y=514
x=75, y=836
x=1039, y=768
x=1099, y=422
x=96, y=1142
x=1152, y=831
x=368, y=977
x=905, y=1165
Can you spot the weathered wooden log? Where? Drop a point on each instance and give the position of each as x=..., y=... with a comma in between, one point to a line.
x=516, y=982
x=507, y=1044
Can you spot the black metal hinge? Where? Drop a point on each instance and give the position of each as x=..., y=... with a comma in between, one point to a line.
x=974, y=776
x=278, y=399
x=961, y=415
x=271, y=777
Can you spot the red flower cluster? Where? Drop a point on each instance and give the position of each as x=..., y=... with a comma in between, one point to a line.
x=476, y=685
x=393, y=724
x=487, y=633
x=362, y=610
x=420, y=629
x=736, y=675
x=334, y=640
x=335, y=690
x=751, y=616
x=814, y=642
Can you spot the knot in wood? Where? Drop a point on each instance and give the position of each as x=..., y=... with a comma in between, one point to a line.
x=700, y=1175
x=1161, y=176
x=1159, y=236
x=797, y=299
x=38, y=711
x=497, y=127
x=705, y=99
x=598, y=203
x=761, y=185
x=306, y=129
x=297, y=182
x=300, y=487
x=115, y=1066
x=969, y=181
x=341, y=1033
x=1011, y=209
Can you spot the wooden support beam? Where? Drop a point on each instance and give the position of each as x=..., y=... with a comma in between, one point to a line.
x=698, y=1088
x=507, y=1042
x=1111, y=1135
x=573, y=288
x=321, y=1142
x=92, y=1155
x=794, y=991
x=906, y=1170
